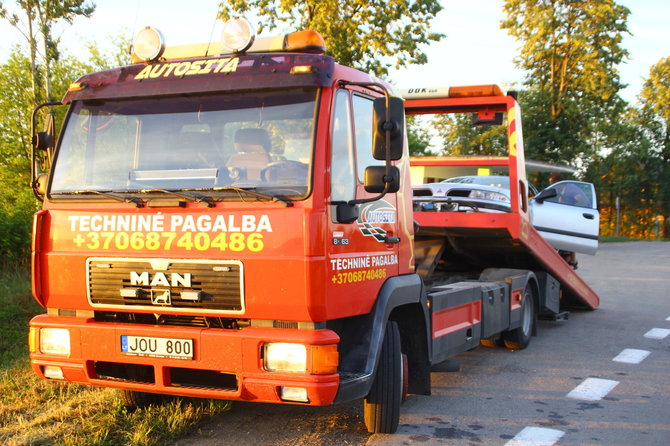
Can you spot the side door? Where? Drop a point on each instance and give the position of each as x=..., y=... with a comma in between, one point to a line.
x=566, y=215
x=359, y=255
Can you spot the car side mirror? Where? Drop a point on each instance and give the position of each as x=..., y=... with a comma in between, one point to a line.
x=44, y=141
x=375, y=176
x=545, y=194
x=394, y=126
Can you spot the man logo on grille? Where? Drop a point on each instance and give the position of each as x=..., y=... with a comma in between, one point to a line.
x=161, y=279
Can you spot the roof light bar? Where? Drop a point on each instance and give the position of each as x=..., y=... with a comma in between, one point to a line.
x=452, y=92
x=237, y=37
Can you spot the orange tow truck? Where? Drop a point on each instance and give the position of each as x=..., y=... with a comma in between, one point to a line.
x=236, y=221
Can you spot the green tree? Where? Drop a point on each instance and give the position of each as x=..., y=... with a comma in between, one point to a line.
x=462, y=137
x=36, y=23
x=570, y=50
x=627, y=170
x=418, y=138
x=654, y=119
x=371, y=35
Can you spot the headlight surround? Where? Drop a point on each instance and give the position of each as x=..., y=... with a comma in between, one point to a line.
x=55, y=341
x=285, y=357
x=488, y=195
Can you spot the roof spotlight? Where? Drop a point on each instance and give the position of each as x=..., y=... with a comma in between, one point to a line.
x=149, y=44
x=237, y=35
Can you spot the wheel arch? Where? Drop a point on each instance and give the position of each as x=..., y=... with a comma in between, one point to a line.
x=402, y=299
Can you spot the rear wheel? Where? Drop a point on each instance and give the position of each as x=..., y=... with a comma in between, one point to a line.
x=134, y=400
x=519, y=338
x=382, y=405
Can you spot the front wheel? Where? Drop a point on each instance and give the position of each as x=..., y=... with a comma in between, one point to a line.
x=519, y=338
x=133, y=399
x=382, y=405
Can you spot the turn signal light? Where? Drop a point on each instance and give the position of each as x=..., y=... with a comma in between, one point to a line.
x=325, y=359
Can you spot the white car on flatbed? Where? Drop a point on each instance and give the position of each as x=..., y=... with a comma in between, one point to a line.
x=565, y=213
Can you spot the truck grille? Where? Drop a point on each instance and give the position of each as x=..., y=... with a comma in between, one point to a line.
x=166, y=285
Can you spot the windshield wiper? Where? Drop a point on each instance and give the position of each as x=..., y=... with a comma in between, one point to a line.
x=187, y=195
x=110, y=194
x=286, y=202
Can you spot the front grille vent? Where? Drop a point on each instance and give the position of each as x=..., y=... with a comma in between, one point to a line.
x=166, y=285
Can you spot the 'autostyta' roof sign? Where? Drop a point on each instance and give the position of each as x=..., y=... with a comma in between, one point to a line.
x=180, y=69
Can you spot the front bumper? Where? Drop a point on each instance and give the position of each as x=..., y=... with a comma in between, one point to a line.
x=226, y=364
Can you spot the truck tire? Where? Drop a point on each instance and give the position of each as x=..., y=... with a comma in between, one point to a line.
x=133, y=399
x=381, y=407
x=519, y=338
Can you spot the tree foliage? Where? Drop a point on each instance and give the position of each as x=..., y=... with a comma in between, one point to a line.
x=371, y=35
x=35, y=22
x=418, y=138
x=570, y=50
x=461, y=137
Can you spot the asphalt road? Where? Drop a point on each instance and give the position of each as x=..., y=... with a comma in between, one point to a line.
x=498, y=393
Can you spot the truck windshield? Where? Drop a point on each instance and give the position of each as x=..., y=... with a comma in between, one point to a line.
x=260, y=141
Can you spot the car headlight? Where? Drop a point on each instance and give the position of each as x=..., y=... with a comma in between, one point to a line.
x=55, y=341
x=285, y=357
x=488, y=195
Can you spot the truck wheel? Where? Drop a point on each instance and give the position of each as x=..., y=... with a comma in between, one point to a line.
x=519, y=338
x=133, y=399
x=381, y=407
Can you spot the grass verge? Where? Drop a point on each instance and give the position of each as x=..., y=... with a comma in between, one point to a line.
x=35, y=411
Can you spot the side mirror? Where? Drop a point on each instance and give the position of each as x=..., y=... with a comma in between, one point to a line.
x=547, y=193
x=374, y=179
x=395, y=126
x=346, y=213
x=44, y=141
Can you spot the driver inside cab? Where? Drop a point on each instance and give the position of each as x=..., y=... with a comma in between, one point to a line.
x=252, y=152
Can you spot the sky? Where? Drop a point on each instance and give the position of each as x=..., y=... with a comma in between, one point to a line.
x=475, y=50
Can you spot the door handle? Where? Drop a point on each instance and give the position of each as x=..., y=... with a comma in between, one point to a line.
x=391, y=239
x=588, y=216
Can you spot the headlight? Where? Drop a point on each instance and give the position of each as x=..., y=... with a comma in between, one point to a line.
x=488, y=195
x=55, y=341
x=285, y=357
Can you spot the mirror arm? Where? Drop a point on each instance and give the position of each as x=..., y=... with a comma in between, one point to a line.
x=388, y=179
x=33, y=134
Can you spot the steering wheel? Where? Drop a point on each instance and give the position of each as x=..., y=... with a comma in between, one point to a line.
x=291, y=172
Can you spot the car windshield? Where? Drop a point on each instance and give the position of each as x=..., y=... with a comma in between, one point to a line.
x=259, y=141
x=493, y=181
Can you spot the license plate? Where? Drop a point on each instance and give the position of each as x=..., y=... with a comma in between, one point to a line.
x=157, y=347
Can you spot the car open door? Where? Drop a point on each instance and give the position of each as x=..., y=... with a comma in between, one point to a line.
x=566, y=214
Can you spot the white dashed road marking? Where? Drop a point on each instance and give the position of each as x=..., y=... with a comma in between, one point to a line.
x=631, y=356
x=536, y=436
x=593, y=389
x=657, y=333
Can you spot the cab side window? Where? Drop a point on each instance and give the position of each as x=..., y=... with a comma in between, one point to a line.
x=363, y=118
x=343, y=182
